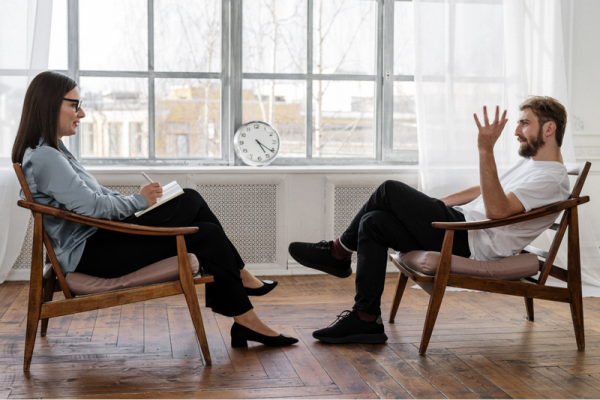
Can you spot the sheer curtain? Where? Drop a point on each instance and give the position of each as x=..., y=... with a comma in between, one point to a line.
x=24, y=48
x=470, y=54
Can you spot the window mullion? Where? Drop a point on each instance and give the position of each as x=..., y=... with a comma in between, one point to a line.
x=235, y=79
x=73, y=54
x=379, y=81
x=387, y=128
x=309, y=81
x=151, y=93
x=226, y=115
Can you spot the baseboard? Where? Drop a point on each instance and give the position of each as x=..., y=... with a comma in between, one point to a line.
x=298, y=269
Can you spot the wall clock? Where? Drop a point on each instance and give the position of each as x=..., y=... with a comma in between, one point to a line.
x=257, y=143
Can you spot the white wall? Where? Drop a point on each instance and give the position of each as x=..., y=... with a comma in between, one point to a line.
x=585, y=98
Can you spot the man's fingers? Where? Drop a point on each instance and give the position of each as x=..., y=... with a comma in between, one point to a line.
x=477, y=121
x=496, y=119
x=485, y=116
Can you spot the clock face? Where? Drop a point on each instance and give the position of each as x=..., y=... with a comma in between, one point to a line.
x=256, y=143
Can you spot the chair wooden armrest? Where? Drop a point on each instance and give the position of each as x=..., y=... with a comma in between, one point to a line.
x=513, y=219
x=105, y=224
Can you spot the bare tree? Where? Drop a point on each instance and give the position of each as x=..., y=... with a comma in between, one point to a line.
x=322, y=29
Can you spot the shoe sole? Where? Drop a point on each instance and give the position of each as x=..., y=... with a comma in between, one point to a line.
x=362, y=339
x=323, y=268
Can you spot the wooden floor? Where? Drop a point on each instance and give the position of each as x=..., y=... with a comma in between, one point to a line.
x=482, y=347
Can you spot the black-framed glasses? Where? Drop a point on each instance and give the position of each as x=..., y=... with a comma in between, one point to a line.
x=78, y=106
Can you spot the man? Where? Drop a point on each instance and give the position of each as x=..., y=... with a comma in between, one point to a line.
x=400, y=217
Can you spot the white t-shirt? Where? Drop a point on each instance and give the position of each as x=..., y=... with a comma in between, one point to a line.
x=536, y=184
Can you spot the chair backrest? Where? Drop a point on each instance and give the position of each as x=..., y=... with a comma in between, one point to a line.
x=51, y=255
x=580, y=170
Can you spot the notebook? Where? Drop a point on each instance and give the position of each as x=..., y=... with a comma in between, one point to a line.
x=170, y=191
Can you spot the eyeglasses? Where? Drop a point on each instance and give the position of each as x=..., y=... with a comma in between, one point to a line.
x=78, y=106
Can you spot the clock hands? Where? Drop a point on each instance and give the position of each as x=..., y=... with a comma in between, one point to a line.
x=263, y=147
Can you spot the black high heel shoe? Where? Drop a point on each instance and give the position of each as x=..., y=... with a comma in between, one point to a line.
x=264, y=289
x=240, y=336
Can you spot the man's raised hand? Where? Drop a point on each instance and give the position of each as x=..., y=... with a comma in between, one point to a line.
x=489, y=133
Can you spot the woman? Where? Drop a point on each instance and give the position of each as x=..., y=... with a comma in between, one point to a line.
x=51, y=111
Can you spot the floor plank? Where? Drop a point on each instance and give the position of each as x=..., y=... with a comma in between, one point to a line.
x=374, y=374
x=414, y=383
x=482, y=347
x=343, y=374
x=504, y=380
x=430, y=370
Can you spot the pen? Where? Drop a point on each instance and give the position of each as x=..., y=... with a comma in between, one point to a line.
x=147, y=178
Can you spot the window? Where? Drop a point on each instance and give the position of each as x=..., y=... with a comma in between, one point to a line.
x=87, y=139
x=169, y=82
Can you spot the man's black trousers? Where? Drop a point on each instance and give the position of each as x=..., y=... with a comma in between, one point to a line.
x=396, y=216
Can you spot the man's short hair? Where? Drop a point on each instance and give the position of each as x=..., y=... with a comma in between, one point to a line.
x=548, y=109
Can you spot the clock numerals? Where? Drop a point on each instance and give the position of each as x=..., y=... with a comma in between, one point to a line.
x=258, y=147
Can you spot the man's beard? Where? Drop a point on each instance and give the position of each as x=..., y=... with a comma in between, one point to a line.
x=530, y=148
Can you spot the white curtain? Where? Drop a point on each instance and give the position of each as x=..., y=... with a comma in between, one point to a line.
x=470, y=54
x=24, y=48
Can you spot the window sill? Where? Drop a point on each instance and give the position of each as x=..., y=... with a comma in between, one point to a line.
x=297, y=169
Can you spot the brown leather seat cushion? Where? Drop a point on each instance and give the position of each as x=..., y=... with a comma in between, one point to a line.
x=166, y=270
x=509, y=268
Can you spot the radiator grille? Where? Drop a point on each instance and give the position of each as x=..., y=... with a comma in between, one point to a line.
x=248, y=214
x=24, y=259
x=347, y=201
x=125, y=190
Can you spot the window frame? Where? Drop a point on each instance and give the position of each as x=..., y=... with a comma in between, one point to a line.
x=231, y=77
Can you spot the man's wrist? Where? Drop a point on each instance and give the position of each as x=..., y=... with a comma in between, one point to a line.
x=486, y=152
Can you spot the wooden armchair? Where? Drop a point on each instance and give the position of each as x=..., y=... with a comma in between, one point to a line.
x=45, y=278
x=528, y=287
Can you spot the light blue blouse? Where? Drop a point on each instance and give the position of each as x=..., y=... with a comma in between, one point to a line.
x=56, y=180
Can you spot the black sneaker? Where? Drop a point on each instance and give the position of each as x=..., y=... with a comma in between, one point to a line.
x=318, y=256
x=349, y=328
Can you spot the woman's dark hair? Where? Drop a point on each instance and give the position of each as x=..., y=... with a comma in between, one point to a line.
x=41, y=108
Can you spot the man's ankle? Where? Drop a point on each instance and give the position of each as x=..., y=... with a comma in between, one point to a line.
x=338, y=250
x=366, y=316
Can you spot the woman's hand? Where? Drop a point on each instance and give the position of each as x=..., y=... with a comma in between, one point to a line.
x=151, y=192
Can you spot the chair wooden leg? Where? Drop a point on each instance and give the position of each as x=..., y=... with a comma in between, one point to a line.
x=191, y=297
x=439, y=288
x=47, y=295
x=402, y=279
x=574, y=279
x=529, y=308
x=35, y=292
